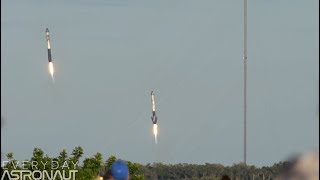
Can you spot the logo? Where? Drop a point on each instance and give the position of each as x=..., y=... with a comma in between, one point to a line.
x=34, y=170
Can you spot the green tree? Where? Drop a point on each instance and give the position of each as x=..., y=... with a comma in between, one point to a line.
x=76, y=154
x=37, y=159
x=12, y=164
x=109, y=162
x=134, y=171
x=90, y=168
x=63, y=156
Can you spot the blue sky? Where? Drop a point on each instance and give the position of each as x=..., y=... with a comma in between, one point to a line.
x=110, y=54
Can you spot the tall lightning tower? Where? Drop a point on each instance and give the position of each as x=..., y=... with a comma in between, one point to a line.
x=245, y=83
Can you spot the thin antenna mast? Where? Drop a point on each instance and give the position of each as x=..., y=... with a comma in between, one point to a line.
x=245, y=83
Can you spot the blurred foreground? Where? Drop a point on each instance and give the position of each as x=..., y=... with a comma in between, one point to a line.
x=301, y=167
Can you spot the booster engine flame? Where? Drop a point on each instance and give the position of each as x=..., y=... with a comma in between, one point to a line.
x=155, y=132
x=51, y=69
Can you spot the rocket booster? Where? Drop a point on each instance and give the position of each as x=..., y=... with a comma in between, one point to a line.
x=154, y=117
x=49, y=47
x=153, y=102
x=51, y=67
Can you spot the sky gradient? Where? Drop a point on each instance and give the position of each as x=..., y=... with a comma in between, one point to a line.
x=110, y=54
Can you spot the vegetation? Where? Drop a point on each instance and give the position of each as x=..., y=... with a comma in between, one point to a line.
x=210, y=171
x=94, y=166
x=89, y=169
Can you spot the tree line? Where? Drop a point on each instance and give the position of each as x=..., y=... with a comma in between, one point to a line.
x=94, y=166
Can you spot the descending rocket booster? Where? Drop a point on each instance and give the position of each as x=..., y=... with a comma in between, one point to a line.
x=50, y=66
x=49, y=47
x=154, y=117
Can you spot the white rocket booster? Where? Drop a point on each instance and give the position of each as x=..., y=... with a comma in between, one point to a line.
x=154, y=117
